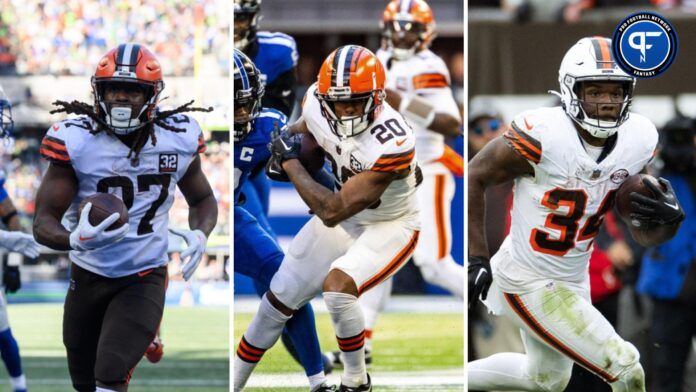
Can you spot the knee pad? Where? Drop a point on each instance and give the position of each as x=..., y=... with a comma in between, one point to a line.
x=291, y=290
x=111, y=370
x=553, y=379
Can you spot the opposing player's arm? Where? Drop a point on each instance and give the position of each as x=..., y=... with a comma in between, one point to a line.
x=203, y=209
x=495, y=164
x=8, y=215
x=56, y=192
x=358, y=193
x=423, y=111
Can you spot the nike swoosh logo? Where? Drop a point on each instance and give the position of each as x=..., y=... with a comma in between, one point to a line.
x=526, y=124
x=672, y=206
x=85, y=238
x=400, y=142
x=481, y=272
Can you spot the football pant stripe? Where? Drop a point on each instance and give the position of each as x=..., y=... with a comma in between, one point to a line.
x=440, y=216
x=396, y=263
x=453, y=161
x=521, y=310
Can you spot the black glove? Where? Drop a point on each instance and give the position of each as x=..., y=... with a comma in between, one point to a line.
x=274, y=170
x=285, y=145
x=480, y=278
x=663, y=209
x=11, y=278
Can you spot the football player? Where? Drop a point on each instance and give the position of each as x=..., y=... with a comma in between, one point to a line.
x=275, y=56
x=566, y=163
x=256, y=254
x=360, y=235
x=418, y=85
x=14, y=241
x=127, y=146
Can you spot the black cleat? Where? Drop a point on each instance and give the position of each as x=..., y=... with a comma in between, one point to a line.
x=363, y=388
x=337, y=360
x=325, y=388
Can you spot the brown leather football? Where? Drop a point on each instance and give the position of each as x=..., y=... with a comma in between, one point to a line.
x=311, y=153
x=633, y=183
x=103, y=206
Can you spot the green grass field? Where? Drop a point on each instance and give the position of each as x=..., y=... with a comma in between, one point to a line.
x=195, y=359
x=403, y=343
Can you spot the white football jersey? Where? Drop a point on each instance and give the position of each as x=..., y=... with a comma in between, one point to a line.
x=426, y=75
x=146, y=186
x=557, y=212
x=387, y=145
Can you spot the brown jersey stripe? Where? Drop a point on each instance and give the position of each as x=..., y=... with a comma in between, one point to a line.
x=518, y=148
x=521, y=310
x=397, y=155
x=392, y=168
x=56, y=149
x=392, y=162
x=534, y=144
x=54, y=140
x=383, y=160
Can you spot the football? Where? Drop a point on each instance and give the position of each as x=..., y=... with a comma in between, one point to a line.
x=103, y=206
x=311, y=154
x=633, y=183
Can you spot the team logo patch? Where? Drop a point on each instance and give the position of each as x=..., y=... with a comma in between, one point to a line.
x=645, y=44
x=355, y=165
x=619, y=176
x=168, y=163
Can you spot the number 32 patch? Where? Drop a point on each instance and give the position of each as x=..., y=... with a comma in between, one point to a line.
x=168, y=163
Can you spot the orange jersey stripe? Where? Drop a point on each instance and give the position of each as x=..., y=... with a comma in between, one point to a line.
x=519, y=146
x=520, y=308
x=54, y=146
x=533, y=145
x=392, y=167
x=431, y=80
x=52, y=155
x=452, y=161
x=440, y=216
x=393, y=265
x=383, y=161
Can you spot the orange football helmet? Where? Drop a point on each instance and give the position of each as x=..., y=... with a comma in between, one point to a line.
x=128, y=66
x=351, y=75
x=407, y=26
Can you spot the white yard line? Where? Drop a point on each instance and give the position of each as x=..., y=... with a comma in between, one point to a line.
x=400, y=303
x=178, y=382
x=433, y=380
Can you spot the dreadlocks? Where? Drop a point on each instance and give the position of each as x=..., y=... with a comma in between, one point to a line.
x=143, y=133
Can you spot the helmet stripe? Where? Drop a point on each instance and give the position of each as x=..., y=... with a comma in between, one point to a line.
x=135, y=51
x=242, y=72
x=602, y=52
x=341, y=62
x=404, y=6
x=334, y=67
x=346, y=65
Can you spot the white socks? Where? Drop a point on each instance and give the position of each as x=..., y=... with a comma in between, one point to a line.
x=350, y=332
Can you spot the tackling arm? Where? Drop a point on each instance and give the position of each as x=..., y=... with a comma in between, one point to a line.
x=203, y=209
x=358, y=193
x=56, y=192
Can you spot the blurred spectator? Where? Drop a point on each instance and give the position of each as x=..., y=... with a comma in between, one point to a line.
x=485, y=124
x=67, y=37
x=668, y=273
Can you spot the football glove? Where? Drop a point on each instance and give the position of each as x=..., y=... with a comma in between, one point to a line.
x=662, y=209
x=195, y=247
x=480, y=278
x=11, y=278
x=274, y=170
x=87, y=237
x=285, y=145
x=16, y=241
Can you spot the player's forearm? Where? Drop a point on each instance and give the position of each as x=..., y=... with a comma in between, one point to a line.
x=326, y=204
x=50, y=232
x=476, y=210
x=654, y=236
x=446, y=124
x=203, y=215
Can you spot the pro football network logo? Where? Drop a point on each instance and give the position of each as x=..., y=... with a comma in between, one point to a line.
x=645, y=44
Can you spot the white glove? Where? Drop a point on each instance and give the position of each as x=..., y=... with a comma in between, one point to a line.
x=195, y=242
x=87, y=237
x=16, y=241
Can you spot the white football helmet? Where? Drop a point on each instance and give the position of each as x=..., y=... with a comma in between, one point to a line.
x=591, y=59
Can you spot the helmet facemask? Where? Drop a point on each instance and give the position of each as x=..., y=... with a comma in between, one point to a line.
x=585, y=112
x=347, y=126
x=119, y=104
x=247, y=106
x=245, y=14
x=409, y=36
